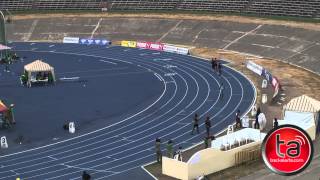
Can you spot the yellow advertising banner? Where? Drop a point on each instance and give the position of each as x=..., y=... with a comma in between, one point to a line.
x=131, y=44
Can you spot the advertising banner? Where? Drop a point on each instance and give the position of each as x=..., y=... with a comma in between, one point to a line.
x=72, y=40
x=155, y=46
x=131, y=44
x=142, y=45
x=175, y=49
x=254, y=67
x=102, y=42
x=267, y=75
x=3, y=47
x=184, y=51
x=170, y=48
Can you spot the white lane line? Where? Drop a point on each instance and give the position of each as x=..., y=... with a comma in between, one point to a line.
x=148, y=172
x=231, y=87
x=95, y=29
x=65, y=157
x=52, y=158
x=104, y=133
x=247, y=33
x=107, y=62
x=51, y=46
x=158, y=76
x=158, y=124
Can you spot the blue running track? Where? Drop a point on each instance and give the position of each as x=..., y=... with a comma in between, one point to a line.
x=133, y=96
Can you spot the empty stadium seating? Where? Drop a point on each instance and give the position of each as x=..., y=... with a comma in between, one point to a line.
x=298, y=8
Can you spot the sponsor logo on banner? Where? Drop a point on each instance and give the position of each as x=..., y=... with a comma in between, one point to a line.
x=287, y=150
x=142, y=45
x=72, y=40
x=132, y=44
x=254, y=67
x=94, y=41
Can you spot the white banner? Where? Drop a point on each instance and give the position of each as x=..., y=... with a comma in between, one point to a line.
x=254, y=67
x=3, y=47
x=73, y=40
x=174, y=49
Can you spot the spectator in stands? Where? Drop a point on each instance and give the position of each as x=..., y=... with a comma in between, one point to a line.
x=208, y=125
x=275, y=123
x=170, y=149
x=158, y=149
x=238, y=120
x=256, y=124
x=85, y=176
x=195, y=124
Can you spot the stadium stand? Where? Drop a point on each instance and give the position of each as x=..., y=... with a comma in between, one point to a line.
x=144, y=5
x=297, y=8
x=308, y=8
x=213, y=5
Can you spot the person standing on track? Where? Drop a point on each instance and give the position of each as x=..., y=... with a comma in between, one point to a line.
x=275, y=123
x=208, y=126
x=85, y=176
x=158, y=150
x=238, y=120
x=195, y=123
x=213, y=64
x=256, y=124
x=219, y=64
x=170, y=149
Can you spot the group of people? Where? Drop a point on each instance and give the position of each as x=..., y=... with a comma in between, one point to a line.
x=216, y=65
x=170, y=151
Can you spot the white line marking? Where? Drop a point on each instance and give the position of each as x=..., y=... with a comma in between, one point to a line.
x=51, y=46
x=108, y=62
x=247, y=33
x=95, y=29
x=173, y=28
x=33, y=26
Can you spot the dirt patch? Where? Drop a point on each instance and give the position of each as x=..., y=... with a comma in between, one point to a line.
x=240, y=19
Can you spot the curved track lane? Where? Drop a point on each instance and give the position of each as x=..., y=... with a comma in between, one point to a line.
x=118, y=151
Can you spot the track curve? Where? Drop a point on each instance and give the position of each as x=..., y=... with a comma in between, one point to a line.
x=118, y=151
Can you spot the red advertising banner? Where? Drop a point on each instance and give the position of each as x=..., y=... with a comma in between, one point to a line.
x=150, y=45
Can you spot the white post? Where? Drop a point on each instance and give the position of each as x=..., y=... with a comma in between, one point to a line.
x=72, y=128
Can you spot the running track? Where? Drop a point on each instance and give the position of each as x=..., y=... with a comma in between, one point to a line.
x=119, y=150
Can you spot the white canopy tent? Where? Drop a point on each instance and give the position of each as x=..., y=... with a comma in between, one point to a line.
x=38, y=66
x=304, y=103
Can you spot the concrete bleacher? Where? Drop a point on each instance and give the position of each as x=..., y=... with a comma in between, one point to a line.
x=308, y=9
x=213, y=6
x=143, y=5
x=298, y=8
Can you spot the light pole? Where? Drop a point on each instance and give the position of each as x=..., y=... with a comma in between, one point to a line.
x=3, y=33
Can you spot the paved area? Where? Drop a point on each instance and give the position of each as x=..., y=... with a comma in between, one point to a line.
x=116, y=149
x=290, y=44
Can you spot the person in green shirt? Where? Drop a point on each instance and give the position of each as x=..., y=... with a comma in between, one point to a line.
x=170, y=149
